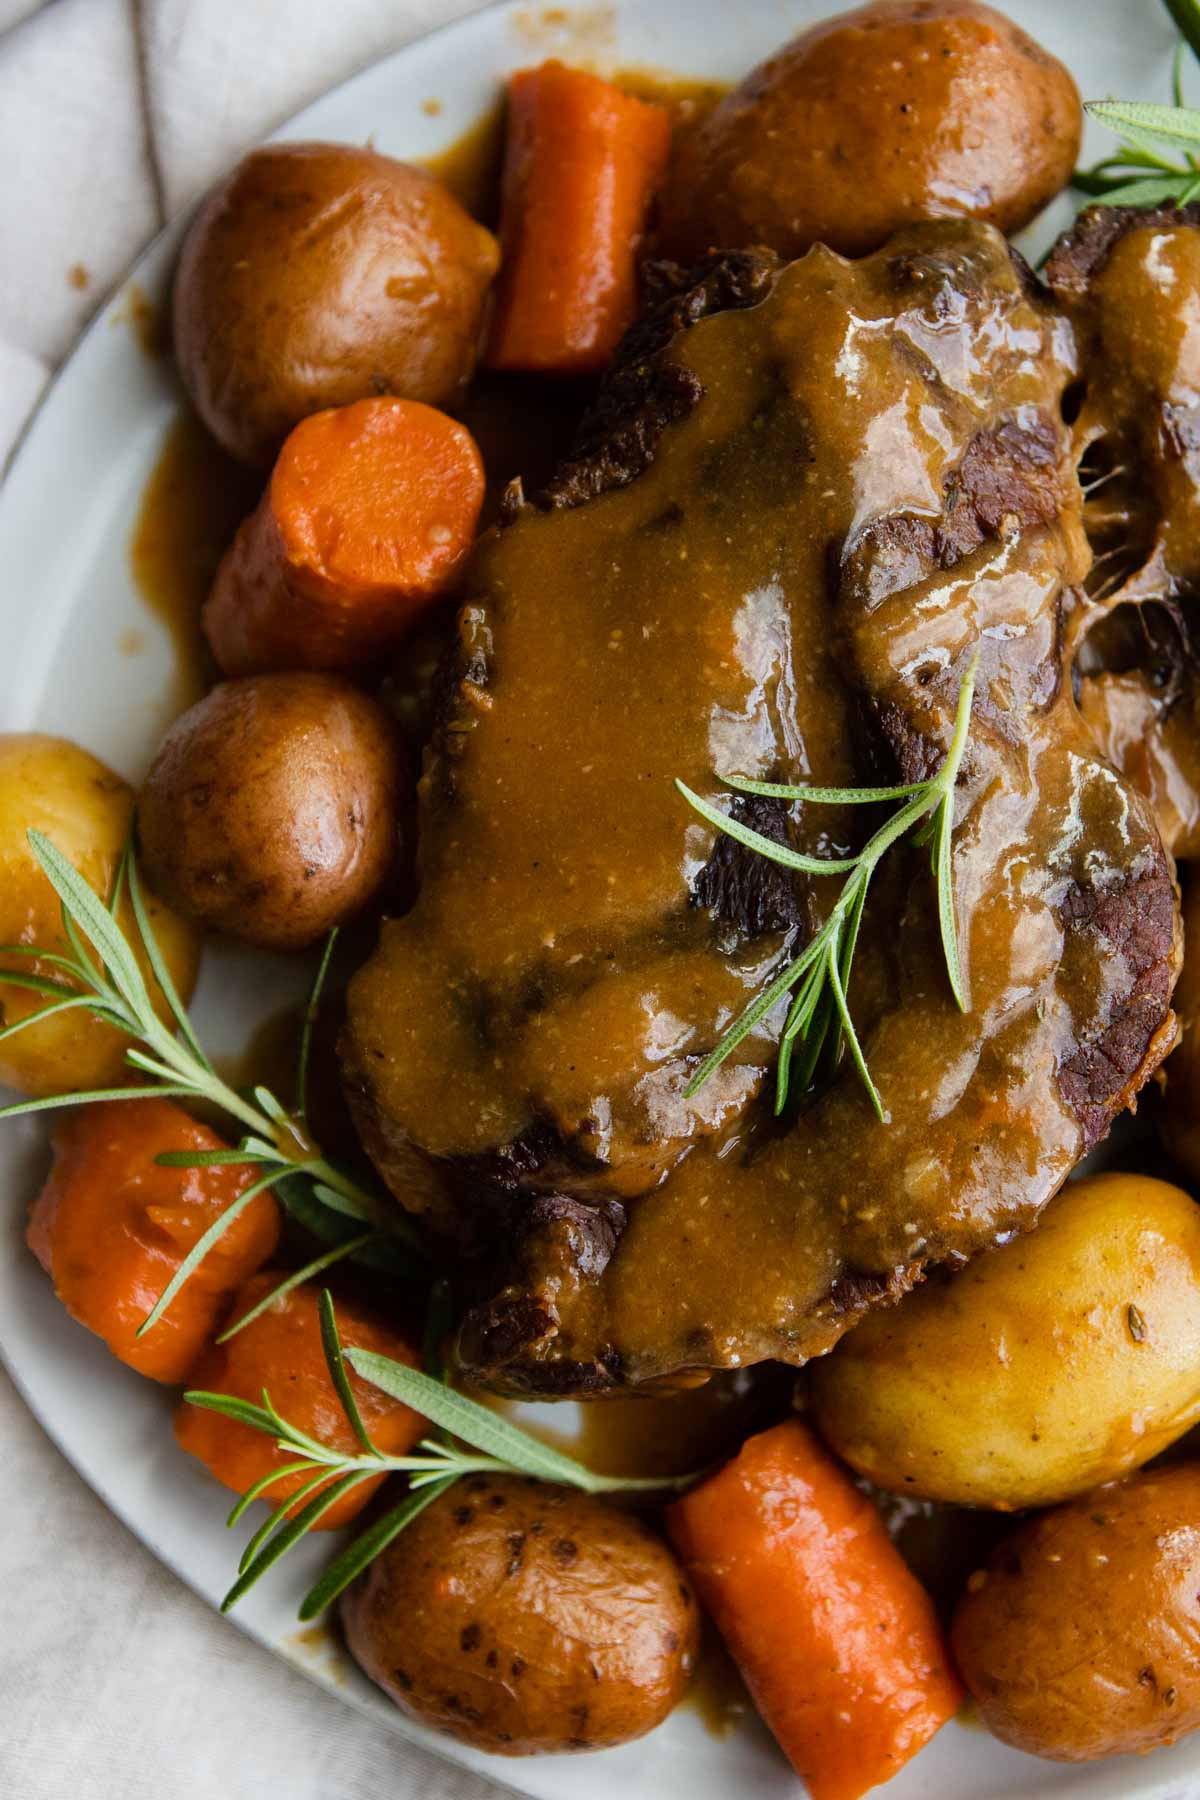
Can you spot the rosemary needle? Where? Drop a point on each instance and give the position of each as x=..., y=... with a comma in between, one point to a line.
x=1139, y=174
x=470, y=1439
x=103, y=973
x=820, y=1011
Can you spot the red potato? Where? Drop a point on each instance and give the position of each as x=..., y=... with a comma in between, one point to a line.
x=1081, y=1637
x=271, y=808
x=526, y=1619
x=319, y=274
x=872, y=120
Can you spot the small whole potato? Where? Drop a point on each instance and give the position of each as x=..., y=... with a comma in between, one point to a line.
x=526, y=1619
x=896, y=112
x=1043, y=1368
x=270, y=810
x=318, y=274
x=1081, y=1638
x=50, y=785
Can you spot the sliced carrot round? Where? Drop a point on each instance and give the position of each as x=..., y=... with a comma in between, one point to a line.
x=281, y=1351
x=111, y=1227
x=369, y=516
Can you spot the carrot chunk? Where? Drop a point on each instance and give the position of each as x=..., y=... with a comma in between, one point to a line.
x=370, y=512
x=582, y=161
x=836, y=1639
x=281, y=1351
x=111, y=1228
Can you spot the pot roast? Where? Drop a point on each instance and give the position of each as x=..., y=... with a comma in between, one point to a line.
x=809, y=496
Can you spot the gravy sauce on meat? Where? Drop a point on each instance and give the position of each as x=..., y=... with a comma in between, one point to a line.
x=1130, y=281
x=865, y=484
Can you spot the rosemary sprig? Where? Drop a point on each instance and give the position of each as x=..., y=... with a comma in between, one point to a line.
x=310, y=1020
x=469, y=1440
x=820, y=1012
x=296, y=1279
x=1138, y=174
x=108, y=981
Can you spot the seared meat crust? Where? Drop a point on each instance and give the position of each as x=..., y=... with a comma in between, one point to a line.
x=1080, y=254
x=642, y=393
x=1134, y=920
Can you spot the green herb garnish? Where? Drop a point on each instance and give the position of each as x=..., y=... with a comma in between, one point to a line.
x=1139, y=174
x=108, y=982
x=820, y=1013
x=470, y=1440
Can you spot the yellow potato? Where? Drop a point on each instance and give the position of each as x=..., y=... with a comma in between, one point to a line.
x=85, y=810
x=1045, y=1367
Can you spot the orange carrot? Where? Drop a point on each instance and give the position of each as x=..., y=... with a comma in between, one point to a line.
x=581, y=163
x=836, y=1640
x=368, y=517
x=281, y=1351
x=111, y=1228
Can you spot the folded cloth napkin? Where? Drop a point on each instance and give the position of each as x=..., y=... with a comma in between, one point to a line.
x=116, y=1680
x=114, y=114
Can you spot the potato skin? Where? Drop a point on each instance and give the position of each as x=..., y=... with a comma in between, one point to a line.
x=270, y=809
x=526, y=1619
x=1081, y=1639
x=317, y=274
x=1181, y=1114
x=874, y=119
x=86, y=810
x=1040, y=1370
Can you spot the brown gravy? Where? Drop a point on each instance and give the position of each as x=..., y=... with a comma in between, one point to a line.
x=554, y=968
x=470, y=166
x=268, y=1055
x=147, y=321
x=676, y=1433
x=1140, y=452
x=523, y=427
x=688, y=100
x=191, y=506
x=718, y=1693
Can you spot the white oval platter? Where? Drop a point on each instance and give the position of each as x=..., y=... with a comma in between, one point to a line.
x=68, y=604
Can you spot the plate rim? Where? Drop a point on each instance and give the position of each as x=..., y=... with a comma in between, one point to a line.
x=358, y=1694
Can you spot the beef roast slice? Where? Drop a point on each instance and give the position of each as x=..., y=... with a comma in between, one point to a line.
x=644, y=391
x=1081, y=254
x=520, y=1045
x=1129, y=278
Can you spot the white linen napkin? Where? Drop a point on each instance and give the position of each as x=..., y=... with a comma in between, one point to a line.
x=114, y=1679
x=117, y=1683
x=114, y=114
